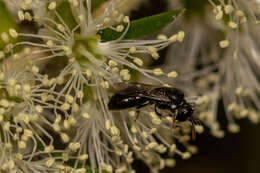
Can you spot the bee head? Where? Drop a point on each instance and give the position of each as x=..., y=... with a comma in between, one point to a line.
x=175, y=95
x=184, y=112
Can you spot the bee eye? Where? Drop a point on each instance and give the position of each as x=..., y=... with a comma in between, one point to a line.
x=175, y=94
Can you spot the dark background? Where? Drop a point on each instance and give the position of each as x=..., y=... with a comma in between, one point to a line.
x=238, y=153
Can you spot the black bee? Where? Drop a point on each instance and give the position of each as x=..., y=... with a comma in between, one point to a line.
x=129, y=95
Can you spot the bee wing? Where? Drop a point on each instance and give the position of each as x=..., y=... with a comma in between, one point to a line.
x=157, y=97
x=120, y=86
x=125, y=88
x=143, y=90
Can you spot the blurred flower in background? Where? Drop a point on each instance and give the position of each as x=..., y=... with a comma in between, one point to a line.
x=218, y=59
x=60, y=61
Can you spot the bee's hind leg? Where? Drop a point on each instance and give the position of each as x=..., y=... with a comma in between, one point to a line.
x=173, y=121
x=156, y=110
x=138, y=109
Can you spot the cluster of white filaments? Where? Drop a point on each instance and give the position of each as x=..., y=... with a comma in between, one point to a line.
x=15, y=161
x=233, y=73
x=36, y=107
x=237, y=13
x=237, y=77
x=30, y=108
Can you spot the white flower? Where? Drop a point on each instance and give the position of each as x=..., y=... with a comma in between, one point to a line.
x=73, y=102
x=217, y=67
x=25, y=106
x=103, y=135
x=89, y=52
x=14, y=161
x=19, y=8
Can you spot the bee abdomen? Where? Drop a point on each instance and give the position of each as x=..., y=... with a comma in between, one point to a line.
x=118, y=102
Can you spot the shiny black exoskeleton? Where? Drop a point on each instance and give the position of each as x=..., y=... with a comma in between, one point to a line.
x=129, y=95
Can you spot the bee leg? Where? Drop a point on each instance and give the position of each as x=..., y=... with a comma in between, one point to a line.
x=156, y=111
x=193, y=135
x=138, y=109
x=173, y=120
x=137, y=114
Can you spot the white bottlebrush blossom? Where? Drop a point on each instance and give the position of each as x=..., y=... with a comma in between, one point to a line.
x=220, y=67
x=73, y=103
x=14, y=161
x=218, y=60
x=25, y=115
x=111, y=142
x=20, y=8
x=86, y=45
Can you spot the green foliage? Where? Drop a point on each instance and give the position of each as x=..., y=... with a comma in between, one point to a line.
x=135, y=75
x=87, y=93
x=2, y=137
x=4, y=94
x=40, y=146
x=194, y=8
x=89, y=170
x=141, y=27
x=88, y=43
x=6, y=22
x=96, y=3
x=65, y=12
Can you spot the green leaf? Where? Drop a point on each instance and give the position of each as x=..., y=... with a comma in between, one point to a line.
x=40, y=146
x=65, y=12
x=89, y=170
x=71, y=163
x=56, y=154
x=15, y=99
x=96, y=3
x=141, y=27
x=87, y=93
x=4, y=94
x=195, y=8
x=7, y=22
x=135, y=75
x=2, y=137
